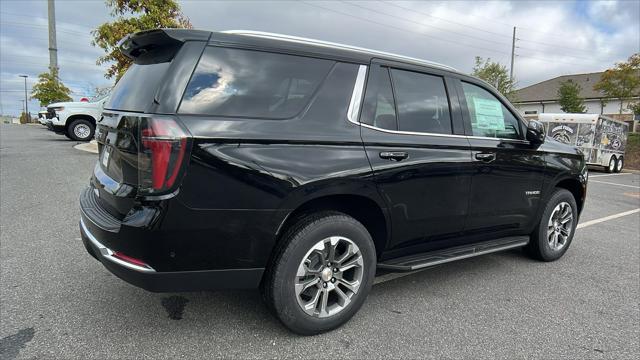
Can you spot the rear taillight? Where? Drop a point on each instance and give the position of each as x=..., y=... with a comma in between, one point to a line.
x=161, y=153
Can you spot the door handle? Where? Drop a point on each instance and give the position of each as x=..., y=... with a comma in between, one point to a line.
x=394, y=155
x=486, y=157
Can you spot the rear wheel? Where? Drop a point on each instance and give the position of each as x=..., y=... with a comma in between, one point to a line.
x=554, y=233
x=619, y=164
x=81, y=130
x=322, y=273
x=612, y=165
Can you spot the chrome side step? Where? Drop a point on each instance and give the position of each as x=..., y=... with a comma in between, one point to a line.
x=433, y=258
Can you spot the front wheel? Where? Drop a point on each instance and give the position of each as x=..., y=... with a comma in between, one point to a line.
x=619, y=164
x=81, y=130
x=551, y=239
x=321, y=274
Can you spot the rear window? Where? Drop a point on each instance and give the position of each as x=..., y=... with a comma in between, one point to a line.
x=247, y=83
x=137, y=87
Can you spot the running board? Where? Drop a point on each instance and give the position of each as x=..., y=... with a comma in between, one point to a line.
x=433, y=258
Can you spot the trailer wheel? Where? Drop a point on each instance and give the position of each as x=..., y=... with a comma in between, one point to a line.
x=612, y=164
x=619, y=164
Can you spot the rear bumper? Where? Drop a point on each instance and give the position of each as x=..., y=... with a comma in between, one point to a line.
x=173, y=281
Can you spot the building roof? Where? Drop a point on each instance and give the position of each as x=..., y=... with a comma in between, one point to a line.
x=548, y=89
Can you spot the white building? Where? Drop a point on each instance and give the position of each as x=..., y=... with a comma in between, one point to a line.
x=543, y=98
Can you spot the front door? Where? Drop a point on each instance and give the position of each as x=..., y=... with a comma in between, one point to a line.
x=508, y=172
x=421, y=168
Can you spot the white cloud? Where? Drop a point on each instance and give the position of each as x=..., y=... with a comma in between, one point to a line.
x=557, y=38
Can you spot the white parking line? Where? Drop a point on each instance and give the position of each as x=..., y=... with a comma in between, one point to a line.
x=393, y=276
x=610, y=183
x=606, y=218
x=595, y=176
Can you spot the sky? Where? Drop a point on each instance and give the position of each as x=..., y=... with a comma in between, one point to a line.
x=553, y=37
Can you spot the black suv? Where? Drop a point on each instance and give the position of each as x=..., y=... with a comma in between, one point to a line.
x=247, y=159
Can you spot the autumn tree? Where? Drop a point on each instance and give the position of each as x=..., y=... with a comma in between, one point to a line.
x=133, y=16
x=570, y=100
x=495, y=74
x=50, y=89
x=622, y=82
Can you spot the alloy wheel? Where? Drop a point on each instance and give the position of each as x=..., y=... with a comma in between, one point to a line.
x=329, y=276
x=82, y=131
x=560, y=226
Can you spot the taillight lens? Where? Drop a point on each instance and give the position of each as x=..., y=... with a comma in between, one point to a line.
x=161, y=154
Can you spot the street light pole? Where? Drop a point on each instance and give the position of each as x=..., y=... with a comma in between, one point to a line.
x=26, y=101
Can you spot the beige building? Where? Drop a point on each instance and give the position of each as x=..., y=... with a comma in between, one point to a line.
x=543, y=98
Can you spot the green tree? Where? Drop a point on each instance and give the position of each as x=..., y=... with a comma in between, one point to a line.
x=570, y=100
x=50, y=89
x=133, y=16
x=635, y=108
x=621, y=82
x=495, y=74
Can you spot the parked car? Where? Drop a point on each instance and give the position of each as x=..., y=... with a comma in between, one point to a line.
x=602, y=139
x=245, y=160
x=76, y=120
x=42, y=117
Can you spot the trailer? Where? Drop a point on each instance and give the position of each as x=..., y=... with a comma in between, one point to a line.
x=601, y=138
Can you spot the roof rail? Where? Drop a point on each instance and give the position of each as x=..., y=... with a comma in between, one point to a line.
x=328, y=44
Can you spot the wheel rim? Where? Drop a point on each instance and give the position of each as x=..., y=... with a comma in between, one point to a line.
x=612, y=164
x=329, y=276
x=82, y=131
x=619, y=165
x=560, y=226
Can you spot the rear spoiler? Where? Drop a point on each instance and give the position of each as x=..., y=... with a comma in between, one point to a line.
x=158, y=45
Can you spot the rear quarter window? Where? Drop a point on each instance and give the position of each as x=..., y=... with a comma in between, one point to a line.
x=137, y=87
x=248, y=83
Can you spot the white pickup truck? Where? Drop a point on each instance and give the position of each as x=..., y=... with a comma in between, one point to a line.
x=76, y=120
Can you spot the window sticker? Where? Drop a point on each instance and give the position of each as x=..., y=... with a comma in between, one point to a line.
x=489, y=114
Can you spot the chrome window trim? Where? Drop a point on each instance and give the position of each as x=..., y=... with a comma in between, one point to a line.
x=399, y=132
x=108, y=254
x=328, y=44
x=356, y=96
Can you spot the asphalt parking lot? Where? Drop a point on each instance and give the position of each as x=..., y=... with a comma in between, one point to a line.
x=56, y=301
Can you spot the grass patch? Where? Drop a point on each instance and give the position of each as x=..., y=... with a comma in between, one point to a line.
x=632, y=154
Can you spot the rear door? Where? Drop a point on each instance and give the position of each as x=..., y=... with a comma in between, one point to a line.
x=420, y=165
x=508, y=172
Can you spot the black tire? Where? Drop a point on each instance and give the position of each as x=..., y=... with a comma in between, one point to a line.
x=612, y=165
x=539, y=246
x=278, y=284
x=75, y=135
x=619, y=164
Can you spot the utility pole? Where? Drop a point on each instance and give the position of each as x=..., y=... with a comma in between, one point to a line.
x=513, y=52
x=26, y=100
x=53, y=49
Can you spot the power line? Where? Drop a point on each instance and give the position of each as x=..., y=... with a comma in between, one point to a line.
x=423, y=24
x=44, y=26
x=486, y=31
x=465, y=45
x=403, y=29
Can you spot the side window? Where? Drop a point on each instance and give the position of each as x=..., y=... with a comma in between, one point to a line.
x=247, y=83
x=422, y=102
x=379, y=108
x=489, y=117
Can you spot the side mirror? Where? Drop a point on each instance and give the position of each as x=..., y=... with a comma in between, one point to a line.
x=535, y=132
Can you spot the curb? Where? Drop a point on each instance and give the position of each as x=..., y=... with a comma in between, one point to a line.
x=91, y=146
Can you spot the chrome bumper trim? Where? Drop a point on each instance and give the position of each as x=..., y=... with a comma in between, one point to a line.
x=108, y=254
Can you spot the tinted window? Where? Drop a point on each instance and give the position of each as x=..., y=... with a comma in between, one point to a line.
x=233, y=82
x=379, y=109
x=422, y=102
x=137, y=87
x=488, y=116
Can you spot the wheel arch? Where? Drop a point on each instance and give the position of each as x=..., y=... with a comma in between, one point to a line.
x=362, y=208
x=72, y=118
x=575, y=187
